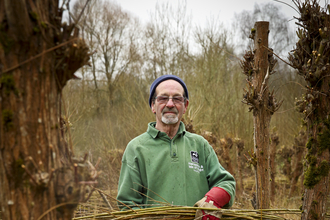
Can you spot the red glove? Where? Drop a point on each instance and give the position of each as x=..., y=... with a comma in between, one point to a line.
x=216, y=197
x=219, y=196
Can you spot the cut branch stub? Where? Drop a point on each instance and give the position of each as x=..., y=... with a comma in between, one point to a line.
x=74, y=183
x=250, y=97
x=254, y=95
x=252, y=159
x=69, y=59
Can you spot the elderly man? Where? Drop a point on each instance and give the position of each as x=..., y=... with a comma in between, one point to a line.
x=167, y=164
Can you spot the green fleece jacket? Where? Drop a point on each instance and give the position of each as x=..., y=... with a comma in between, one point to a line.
x=179, y=171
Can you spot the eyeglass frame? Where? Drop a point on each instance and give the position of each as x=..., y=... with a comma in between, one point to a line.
x=184, y=99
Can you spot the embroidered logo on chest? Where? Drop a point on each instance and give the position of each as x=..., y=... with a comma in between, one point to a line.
x=194, y=164
x=194, y=157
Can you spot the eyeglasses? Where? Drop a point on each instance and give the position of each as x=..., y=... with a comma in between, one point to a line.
x=175, y=99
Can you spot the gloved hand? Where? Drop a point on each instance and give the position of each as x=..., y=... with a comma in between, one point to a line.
x=215, y=198
x=206, y=214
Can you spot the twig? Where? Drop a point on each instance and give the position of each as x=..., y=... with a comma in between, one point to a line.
x=30, y=175
x=32, y=58
x=105, y=200
x=278, y=57
x=115, y=199
x=152, y=192
x=150, y=197
x=67, y=126
x=55, y=207
x=287, y=5
x=76, y=20
x=264, y=82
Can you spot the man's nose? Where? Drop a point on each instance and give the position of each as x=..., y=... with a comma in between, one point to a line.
x=170, y=103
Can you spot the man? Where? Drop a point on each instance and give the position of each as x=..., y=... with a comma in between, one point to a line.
x=167, y=164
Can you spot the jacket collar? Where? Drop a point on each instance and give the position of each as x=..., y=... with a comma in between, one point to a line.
x=153, y=132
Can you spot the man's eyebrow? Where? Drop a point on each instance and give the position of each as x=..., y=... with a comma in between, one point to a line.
x=166, y=94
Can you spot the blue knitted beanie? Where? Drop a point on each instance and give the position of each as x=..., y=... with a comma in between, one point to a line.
x=162, y=79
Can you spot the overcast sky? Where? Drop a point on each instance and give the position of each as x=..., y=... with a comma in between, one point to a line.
x=203, y=10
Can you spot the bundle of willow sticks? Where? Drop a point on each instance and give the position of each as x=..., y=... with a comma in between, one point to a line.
x=183, y=212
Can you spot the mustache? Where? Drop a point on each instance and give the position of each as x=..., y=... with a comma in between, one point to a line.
x=167, y=109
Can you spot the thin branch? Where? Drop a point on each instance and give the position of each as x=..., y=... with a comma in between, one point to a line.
x=68, y=127
x=105, y=200
x=264, y=82
x=114, y=199
x=76, y=20
x=320, y=80
x=159, y=202
x=287, y=5
x=39, y=55
x=55, y=207
x=279, y=57
x=152, y=192
x=226, y=51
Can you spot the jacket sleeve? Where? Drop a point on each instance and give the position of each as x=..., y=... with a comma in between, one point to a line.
x=217, y=176
x=130, y=184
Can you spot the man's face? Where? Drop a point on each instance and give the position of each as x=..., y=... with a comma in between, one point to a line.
x=170, y=112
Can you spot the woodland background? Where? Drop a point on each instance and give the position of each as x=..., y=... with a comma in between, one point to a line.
x=108, y=106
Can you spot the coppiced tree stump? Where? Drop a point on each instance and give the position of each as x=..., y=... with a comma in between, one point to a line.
x=311, y=59
x=258, y=65
x=39, y=176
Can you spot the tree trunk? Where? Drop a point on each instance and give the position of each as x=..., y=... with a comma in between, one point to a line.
x=38, y=176
x=316, y=179
x=239, y=159
x=96, y=88
x=299, y=148
x=272, y=168
x=258, y=65
x=317, y=187
x=287, y=153
x=261, y=114
x=311, y=59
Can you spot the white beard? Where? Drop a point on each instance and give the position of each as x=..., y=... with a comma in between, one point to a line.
x=170, y=119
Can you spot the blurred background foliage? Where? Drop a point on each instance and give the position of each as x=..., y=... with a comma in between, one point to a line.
x=108, y=106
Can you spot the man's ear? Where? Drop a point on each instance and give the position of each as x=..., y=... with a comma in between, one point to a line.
x=153, y=108
x=186, y=106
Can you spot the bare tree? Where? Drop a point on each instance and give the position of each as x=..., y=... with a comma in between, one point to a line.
x=39, y=176
x=258, y=66
x=216, y=74
x=281, y=38
x=112, y=33
x=166, y=39
x=311, y=57
x=87, y=22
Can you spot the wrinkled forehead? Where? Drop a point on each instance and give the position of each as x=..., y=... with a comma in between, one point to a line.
x=170, y=86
